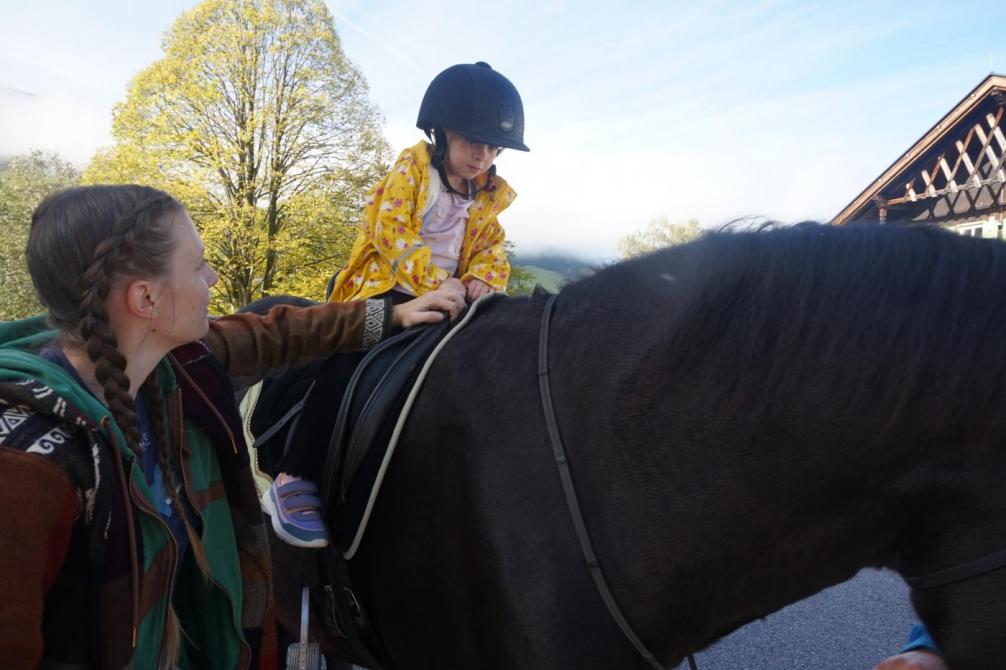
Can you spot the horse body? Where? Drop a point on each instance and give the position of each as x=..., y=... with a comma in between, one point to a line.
x=473, y=555
x=749, y=419
x=442, y=551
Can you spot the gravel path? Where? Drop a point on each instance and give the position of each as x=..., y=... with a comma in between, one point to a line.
x=851, y=626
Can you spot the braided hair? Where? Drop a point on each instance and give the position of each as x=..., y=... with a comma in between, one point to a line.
x=81, y=240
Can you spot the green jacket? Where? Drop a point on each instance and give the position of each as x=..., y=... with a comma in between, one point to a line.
x=90, y=583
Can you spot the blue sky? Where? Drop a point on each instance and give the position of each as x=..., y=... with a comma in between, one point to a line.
x=634, y=110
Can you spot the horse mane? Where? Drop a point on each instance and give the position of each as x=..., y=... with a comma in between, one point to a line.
x=887, y=324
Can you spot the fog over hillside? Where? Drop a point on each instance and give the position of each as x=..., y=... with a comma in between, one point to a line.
x=10, y=97
x=65, y=123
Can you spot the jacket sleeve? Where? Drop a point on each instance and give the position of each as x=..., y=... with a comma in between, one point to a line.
x=251, y=346
x=396, y=231
x=919, y=638
x=37, y=509
x=489, y=262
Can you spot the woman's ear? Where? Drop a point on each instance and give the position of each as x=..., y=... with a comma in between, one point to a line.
x=141, y=298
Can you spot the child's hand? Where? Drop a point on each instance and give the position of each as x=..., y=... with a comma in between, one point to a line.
x=430, y=308
x=476, y=288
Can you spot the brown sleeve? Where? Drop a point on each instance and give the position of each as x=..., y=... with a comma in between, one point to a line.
x=37, y=509
x=251, y=346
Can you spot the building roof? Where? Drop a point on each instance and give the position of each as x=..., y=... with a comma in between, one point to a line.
x=954, y=170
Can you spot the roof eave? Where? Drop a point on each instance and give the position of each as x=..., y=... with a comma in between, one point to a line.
x=931, y=137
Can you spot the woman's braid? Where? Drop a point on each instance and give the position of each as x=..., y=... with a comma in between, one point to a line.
x=100, y=342
x=163, y=447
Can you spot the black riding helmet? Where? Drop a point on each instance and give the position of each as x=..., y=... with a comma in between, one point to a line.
x=476, y=102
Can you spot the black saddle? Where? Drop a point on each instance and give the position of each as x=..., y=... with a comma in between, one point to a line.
x=347, y=404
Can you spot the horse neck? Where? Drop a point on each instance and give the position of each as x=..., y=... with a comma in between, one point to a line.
x=718, y=486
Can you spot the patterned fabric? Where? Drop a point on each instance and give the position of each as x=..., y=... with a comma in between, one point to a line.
x=37, y=438
x=11, y=418
x=374, y=325
x=389, y=249
x=35, y=419
x=46, y=443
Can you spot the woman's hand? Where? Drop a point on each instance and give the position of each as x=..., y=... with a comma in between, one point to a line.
x=919, y=659
x=430, y=308
x=476, y=288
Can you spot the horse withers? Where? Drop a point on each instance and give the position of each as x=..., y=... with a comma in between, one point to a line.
x=748, y=419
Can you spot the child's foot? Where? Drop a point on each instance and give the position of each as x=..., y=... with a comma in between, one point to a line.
x=295, y=509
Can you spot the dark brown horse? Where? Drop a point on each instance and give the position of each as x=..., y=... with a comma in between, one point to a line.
x=748, y=419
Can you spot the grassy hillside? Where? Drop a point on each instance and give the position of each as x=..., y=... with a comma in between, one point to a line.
x=549, y=268
x=547, y=279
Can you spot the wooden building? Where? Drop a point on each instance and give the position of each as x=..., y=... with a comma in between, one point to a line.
x=953, y=176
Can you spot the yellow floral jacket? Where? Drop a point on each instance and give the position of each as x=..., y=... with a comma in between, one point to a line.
x=389, y=249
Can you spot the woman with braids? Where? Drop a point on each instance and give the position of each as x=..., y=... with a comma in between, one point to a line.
x=130, y=529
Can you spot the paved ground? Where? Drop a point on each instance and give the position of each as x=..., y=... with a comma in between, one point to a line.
x=851, y=626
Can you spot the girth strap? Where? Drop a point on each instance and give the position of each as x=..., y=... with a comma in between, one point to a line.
x=959, y=573
x=562, y=462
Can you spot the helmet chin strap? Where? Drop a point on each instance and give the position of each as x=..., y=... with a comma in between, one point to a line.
x=488, y=186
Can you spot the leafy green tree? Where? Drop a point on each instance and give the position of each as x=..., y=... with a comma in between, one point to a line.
x=661, y=232
x=259, y=123
x=318, y=256
x=23, y=184
x=521, y=281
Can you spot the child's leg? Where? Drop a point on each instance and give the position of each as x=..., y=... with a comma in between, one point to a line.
x=306, y=457
x=293, y=501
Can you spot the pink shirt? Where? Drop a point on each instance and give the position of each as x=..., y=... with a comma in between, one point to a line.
x=443, y=230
